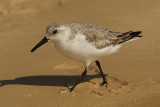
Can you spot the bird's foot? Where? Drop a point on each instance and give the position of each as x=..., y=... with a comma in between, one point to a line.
x=66, y=90
x=104, y=83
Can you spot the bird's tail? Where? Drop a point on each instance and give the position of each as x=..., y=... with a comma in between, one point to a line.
x=128, y=36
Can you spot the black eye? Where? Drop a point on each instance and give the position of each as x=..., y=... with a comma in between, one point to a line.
x=54, y=32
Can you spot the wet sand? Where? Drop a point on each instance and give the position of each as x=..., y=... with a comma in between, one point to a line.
x=35, y=79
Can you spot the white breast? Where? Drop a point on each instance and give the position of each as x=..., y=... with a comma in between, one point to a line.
x=80, y=49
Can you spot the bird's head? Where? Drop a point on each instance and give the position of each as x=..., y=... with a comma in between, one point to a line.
x=55, y=31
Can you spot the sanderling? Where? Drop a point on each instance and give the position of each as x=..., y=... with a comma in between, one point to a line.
x=85, y=42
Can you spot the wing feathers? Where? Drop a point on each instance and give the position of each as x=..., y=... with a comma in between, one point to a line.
x=129, y=36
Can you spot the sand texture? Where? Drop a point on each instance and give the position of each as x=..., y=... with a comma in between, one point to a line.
x=35, y=79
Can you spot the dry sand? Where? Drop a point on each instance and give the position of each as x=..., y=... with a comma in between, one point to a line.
x=34, y=79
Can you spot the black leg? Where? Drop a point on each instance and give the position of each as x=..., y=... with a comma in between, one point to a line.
x=77, y=82
x=102, y=74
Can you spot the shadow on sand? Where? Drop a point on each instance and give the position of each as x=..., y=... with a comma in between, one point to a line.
x=47, y=80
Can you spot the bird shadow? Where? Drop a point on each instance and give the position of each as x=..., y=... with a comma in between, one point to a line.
x=47, y=80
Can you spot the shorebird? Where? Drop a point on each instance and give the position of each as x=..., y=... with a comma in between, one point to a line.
x=85, y=42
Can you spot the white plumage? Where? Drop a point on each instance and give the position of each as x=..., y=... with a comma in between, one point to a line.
x=85, y=42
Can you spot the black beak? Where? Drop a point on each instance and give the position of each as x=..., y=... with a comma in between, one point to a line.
x=43, y=41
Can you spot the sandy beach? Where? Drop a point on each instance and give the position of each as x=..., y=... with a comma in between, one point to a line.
x=35, y=79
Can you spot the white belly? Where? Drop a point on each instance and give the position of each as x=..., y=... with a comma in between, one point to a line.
x=80, y=49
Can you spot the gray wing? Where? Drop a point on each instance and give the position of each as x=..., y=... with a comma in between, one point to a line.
x=109, y=38
x=100, y=40
x=100, y=37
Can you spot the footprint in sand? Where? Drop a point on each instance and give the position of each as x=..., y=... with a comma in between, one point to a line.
x=116, y=86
